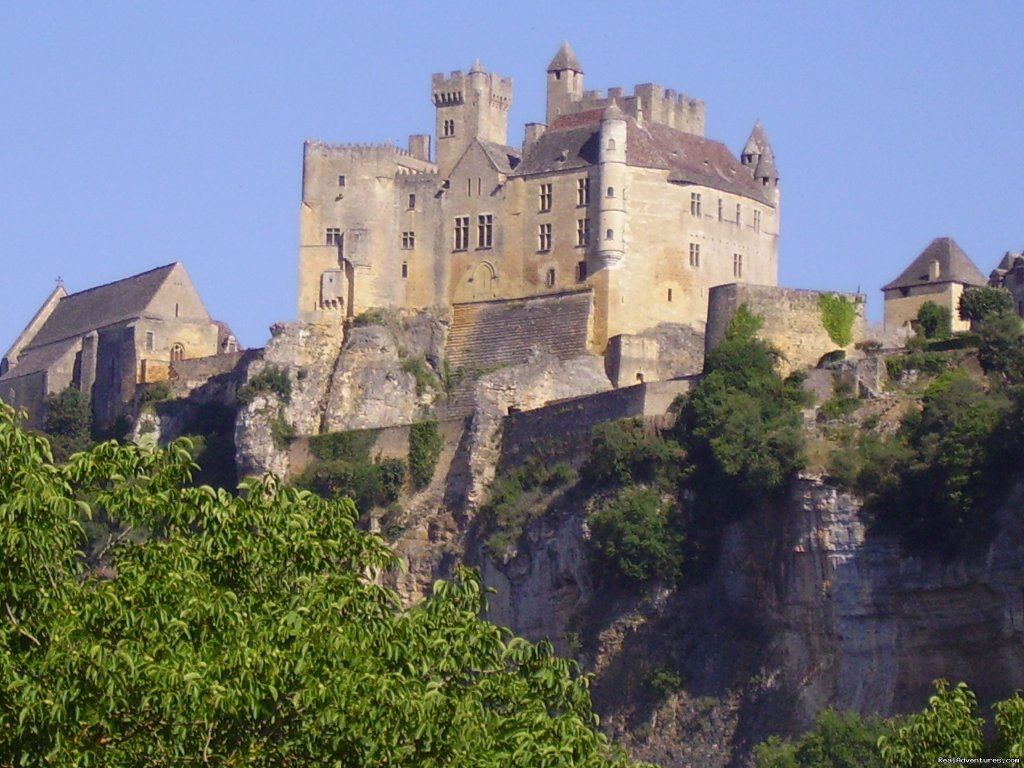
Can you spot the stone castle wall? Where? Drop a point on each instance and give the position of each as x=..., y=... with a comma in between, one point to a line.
x=792, y=320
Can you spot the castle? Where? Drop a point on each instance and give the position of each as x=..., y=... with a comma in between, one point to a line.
x=620, y=197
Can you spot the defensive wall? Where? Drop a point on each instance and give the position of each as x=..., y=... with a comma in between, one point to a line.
x=560, y=431
x=792, y=320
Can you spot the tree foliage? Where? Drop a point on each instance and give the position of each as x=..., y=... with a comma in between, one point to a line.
x=838, y=740
x=249, y=631
x=425, y=444
x=636, y=535
x=68, y=420
x=947, y=727
x=934, y=321
x=978, y=304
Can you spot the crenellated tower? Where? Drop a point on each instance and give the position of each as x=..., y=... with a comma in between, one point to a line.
x=468, y=107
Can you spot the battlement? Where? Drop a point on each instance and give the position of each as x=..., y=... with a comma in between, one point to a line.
x=649, y=101
x=411, y=160
x=450, y=90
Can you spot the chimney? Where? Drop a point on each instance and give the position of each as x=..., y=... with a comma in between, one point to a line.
x=933, y=270
x=531, y=135
x=419, y=146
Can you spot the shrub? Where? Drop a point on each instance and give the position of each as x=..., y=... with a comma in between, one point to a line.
x=425, y=444
x=271, y=380
x=421, y=372
x=624, y=452
x=281, y=432
x=155, y=393
x=352, y=446
x=978, y=304
x=369, y=483
x=635, y=537
x=68, y=421
x=513, y=498
x=837, y=316
x=376, y=316
x=934, y=321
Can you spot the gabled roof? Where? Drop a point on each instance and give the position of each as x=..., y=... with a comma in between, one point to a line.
x=502, y=157
x=565, y=59
x=955, y=266
x=79, y=313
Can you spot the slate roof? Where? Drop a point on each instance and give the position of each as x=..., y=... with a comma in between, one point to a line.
x=955, y=266
x=565, y=59
x=78, y=313
x=573, y=142
x=504, y=158
x=40, y=358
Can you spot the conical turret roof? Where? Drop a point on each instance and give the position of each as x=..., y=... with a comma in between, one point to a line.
x=565, y=59
x=766, y=165
x=477, y=67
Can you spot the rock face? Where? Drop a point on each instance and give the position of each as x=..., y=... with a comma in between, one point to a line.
x=802, y=611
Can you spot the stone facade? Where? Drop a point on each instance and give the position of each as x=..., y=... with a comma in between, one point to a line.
x=106, y=340
x=619, y=194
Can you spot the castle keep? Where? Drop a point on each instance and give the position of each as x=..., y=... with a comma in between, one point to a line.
x=618, y=196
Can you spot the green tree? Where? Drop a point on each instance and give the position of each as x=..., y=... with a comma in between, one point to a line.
x=934, y=321
x=635, y=536
x=976, y=305
x=947, y=727
x=68, y=420
x=838, y=740
x=248, y=630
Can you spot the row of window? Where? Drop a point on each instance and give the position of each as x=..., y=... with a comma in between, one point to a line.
x=737, y=261
x=545, y=194
x=695, y=210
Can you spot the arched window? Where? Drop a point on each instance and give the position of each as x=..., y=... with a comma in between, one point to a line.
x=611, y=143
x=611, y=191
x=177, y=352
x=609, y=234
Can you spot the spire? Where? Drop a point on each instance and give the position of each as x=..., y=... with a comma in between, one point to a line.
x=758, y=141
x=766, y=170
x=565, y=59
x=477, y=68
x=612, y=112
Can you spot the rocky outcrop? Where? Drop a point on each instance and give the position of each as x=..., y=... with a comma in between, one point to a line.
x=804, y=610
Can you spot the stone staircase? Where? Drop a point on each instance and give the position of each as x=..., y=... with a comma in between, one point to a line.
x=487, y=335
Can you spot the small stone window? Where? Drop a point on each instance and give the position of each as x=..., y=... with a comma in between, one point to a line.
x=757, y=221
x=447, y=129
x=341, y=181
x=582, y=232
x=150, y=341
x=545, y=198
x=611, y=144
x=549, y=278
x=670, y=294
x=177, y=352
x=408, y=241
x=461, y=241
x=609, y=234
x=405, y=269
x=544, y=237
x=737, y=265
x=581, y=271
x=333, y=236
x=412, y=202
x=610, y=192
x=721, y=205
x=582, y=191
x=484, y=230
x=739, y=215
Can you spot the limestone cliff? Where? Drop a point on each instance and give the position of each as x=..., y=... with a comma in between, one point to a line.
x=802, y=611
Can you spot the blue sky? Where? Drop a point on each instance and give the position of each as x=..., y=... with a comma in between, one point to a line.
x=135, y=134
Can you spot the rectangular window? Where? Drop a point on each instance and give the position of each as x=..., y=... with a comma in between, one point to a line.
x=695, y=203
x=447, y=128
x=341, y=181
x=484, y=230
x=582, y=232
x=412, y=202
x=738, y=217
x=581, y=271
x=333, y=236
x=694, y=255
x=549, y=278
x=544, y=237
x=150, y=341
x=670, y=294
x=737, y=265
x=757, y=221
x=545, y=197
x=720, y=206
x=582, y=191
x=461, y=240
x=408, y=241
x=405, y=269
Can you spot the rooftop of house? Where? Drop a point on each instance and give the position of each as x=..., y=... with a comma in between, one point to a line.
x=954, y=266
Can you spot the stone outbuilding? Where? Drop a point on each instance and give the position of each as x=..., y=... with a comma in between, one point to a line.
x=106, y=340
x=940, y=273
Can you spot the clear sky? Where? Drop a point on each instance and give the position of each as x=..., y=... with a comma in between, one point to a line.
x=133, y=134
